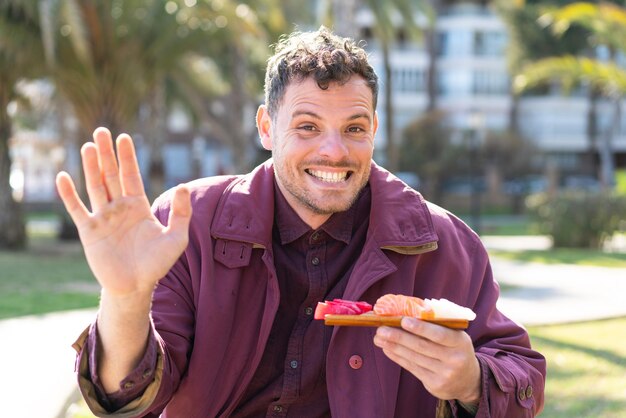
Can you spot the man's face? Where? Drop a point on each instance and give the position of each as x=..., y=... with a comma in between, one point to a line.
x=322, y=143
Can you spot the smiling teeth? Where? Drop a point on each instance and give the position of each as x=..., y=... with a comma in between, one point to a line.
x=330, y=177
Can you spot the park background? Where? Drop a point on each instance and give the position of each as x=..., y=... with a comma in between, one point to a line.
x=509, y=113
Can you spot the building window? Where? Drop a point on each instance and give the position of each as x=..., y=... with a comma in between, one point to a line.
x=455, y=43
x=454, y=83
x=489, y=43
x=490, y=83
x=409, y=80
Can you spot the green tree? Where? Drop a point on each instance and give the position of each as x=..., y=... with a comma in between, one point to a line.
x=607, y=24
x=20, y=57
x=530, y=41
x=109, y=58
x=429, y=151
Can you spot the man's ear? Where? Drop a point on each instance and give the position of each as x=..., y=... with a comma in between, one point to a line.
x=375, y=124
x=264, y=126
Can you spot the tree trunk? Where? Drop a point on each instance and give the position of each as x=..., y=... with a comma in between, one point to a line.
x=607, y=158
x=157, y=136
x=591, y=164
x=12, y=223
x=513, y=127
x=392, y=148
x=238, y=105
x=432, y=47
x=607, y=161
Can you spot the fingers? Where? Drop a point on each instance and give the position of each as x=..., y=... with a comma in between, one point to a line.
x=436, y=333
x=132, y=184
x=107, y=162
x=419, y=342
x=402, y=345
x=98, y=196
x=105, y=180
x=443, y=359
x=180, y=214
x=74, y=206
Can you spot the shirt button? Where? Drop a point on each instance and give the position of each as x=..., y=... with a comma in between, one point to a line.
x=277, y=408
x=315, y=236
x=522, y=394
x=355, y=362
x=146, y=373
x=293, y=364
x=315, y=261
x=308, y=310
x=129, y=385
x=529, y=392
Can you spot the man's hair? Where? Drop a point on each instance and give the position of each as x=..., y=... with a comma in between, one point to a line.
x=321, y=55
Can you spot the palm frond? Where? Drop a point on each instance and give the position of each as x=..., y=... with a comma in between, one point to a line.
x=605, y=21
x=74, y=19
x=570, y=70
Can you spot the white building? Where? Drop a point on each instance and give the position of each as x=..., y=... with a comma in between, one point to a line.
x=473, y=79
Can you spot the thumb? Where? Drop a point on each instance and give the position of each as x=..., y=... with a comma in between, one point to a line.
x=180, y=214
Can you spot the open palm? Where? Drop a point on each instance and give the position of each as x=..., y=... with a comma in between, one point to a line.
x=126, y=246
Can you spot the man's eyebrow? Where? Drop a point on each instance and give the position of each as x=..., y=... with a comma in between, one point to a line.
x=361, y=115
x=305, y=113
x=316, y=116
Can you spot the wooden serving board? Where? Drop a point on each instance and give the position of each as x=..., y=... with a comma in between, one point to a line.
x=372, y=320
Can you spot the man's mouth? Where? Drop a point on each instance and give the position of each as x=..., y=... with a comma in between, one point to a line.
x=330, y=176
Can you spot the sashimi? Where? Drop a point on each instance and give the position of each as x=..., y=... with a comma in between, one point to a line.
x=401, y=305
x=341, y=307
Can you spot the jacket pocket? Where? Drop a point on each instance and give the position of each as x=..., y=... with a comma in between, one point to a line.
x=232, y=254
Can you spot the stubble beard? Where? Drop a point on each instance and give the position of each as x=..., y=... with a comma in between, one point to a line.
x=316, y=205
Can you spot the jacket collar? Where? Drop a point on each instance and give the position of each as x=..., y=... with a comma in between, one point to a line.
x=399, y=219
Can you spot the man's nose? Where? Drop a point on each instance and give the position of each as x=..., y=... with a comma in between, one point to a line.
x=334, y=146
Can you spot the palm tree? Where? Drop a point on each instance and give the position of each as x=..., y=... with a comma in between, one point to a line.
x=530, y=41
x=607, y=24
x=20, y=57
x=109, y=58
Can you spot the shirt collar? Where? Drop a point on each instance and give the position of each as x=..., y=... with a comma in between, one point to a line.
x=338, y=226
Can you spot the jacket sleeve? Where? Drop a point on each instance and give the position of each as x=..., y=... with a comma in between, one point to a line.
x=513, y=374
x=137, y=390
x=150, y=386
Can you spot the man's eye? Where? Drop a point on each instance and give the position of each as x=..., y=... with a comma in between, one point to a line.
x=307, y=127
x=355, y=129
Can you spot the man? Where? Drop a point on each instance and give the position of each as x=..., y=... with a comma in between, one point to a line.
x=211, y=314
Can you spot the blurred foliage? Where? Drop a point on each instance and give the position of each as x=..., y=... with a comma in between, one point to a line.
x=578, y=219
x=512, y=155
x=427, y=149
x=595, y=66
x=437, y=155
x=620, y=180
x=20, y=56
x=605, y=24
x=529, y=40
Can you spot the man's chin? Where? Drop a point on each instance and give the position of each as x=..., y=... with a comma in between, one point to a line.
x=328, y=207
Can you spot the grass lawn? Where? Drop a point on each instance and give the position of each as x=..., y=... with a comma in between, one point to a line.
x=50, y=276
x=565, y=256
x=586, y=368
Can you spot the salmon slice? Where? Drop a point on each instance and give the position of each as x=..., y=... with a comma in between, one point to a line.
x=402, y=305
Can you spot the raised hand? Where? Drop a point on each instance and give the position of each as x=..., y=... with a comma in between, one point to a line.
x=127, y=248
